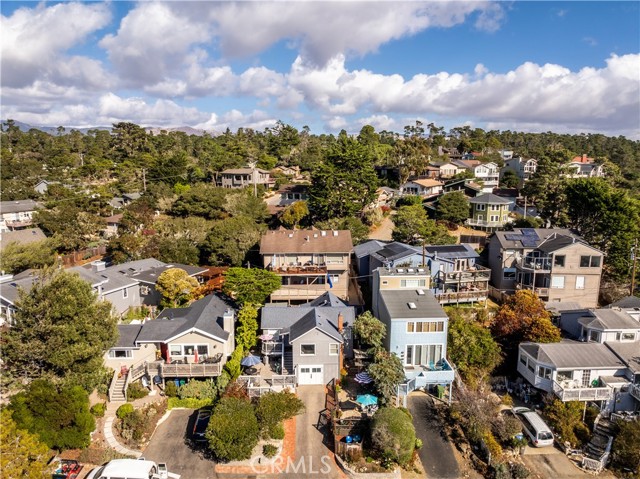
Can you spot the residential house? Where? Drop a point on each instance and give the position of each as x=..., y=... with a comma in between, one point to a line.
x=416, y=326
x=285, y=196
x=17, y=215
x=524, y=168
x=456, y=275
x=432, y=171
x=310, y=340
x=506, y=154
x=384, y=195
x=451, y=153
x=584, y=167
x=113, y=222
x=555, y=263
x=292, y=171
x=119, y=202
x=421, y=187
x=489, y=212
x=181, y=343
x=396, y=254
x=362, y=254
x=446, y=170
x=470, y=189
x=488, y=174
x=245, y=177
x=310, y=262
x=629, y=304
x=21, y=237
x=42, y=187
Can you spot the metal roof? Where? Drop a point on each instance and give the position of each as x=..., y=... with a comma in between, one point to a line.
x=606, y=319
x=628, y=352
x=397, y=303
x=490, y=198
x=573, y=355
x=629, y=302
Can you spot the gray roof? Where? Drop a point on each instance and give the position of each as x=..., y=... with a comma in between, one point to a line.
x=148, y=270
x=204, y=315
x=609, y=319
x=456, y=251
x=562, y=306
x=128, y=335
x=397, y=303
x=315, y=319
x=18, y=206
x=10, y=290
x=21, y=237
x=629, y=302
x=628, y=352
x=504, y=237
x=284, y=318
x=368, y=247
x=573, y=354
x=395, y=251
x=558, y=242
x=490, y=198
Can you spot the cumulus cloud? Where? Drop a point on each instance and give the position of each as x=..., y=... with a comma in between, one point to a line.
x=234, y=119
x=35, y=40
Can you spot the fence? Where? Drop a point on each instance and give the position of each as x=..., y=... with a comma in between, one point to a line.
x=81, y=256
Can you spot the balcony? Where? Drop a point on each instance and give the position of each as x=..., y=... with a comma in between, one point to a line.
x=466, y=276
x=572, y=391
x=300, y=270
x=485, y=223
x=462, y=296
x=272, y=347
x=14, y=224
x=634, y=390
x=299, y=291
x=439, y=373
x=541, y=292
x=539, y=264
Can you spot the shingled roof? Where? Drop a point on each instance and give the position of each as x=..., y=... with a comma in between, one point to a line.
x=306, y=241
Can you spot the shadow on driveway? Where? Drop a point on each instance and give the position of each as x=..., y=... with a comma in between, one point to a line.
x=436, y=454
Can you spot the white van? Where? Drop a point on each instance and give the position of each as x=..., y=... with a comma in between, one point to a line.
x=131, y=469
x=534, y=427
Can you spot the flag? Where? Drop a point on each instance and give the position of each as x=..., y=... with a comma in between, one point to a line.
x=329, y=280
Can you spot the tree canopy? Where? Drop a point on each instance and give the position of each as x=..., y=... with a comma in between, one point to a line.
x=247, y=330
x=413, y=227
x=387, y=373
x=176, y=287
x=393, y=434
x=22, y=454
x=230, y=240
x=453, y=207
x=61, y=331
x=233, y=429
x=370, y=329
x=250, y=285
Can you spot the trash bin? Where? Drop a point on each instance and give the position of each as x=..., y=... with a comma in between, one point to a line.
x=440, y=391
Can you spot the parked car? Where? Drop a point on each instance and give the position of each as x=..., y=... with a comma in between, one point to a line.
x=534, y=427
x=200, y=425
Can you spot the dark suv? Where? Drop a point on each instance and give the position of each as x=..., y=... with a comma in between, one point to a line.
x=200, y=426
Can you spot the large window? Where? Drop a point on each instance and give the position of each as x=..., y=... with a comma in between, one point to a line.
x=424, y=354
x=628, y=336
x=480, y=207
x=308, y=349
x=188, y=349
x=544, y=372
x=120, y=353
x=579, y=282
x=557, y=282
x=558, y=260
x=589, y=261
x=412, y=283
x=425, y=326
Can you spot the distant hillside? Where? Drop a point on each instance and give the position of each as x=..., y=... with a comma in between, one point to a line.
x=154, y=130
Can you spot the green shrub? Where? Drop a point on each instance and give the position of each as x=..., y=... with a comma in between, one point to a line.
x=273, y=408
x=99, y=409
x=493, y=446
x=135, y=391
x=188, y=403
x=124, y=410
x=418, y=443
x=171, y=390
x=519, y=471
x=269, y=450
x=626, y=447
x=233, y=429
x=198, y=390
x=393, y=436
x=132, y=426
x=276, y=432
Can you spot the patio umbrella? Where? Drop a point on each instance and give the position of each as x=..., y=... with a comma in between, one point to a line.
x=367, y=400
x=363, y=378
x=266, y=337
x=250, y=360
x=195, y=356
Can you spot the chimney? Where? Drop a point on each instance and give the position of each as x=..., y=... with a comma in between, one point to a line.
x=97, y=266
x=227, y=321
x=340, y=323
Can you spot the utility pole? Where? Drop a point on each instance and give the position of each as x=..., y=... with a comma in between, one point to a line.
x=633, y=268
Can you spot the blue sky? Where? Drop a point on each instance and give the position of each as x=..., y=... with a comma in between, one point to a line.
x=528, y=66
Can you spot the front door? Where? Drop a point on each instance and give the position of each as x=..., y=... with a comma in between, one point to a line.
x=310, y=375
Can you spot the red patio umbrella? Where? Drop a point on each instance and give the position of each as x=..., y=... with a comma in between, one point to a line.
x=195, y=356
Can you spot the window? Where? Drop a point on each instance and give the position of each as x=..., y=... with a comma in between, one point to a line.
x=530, y=367
x=509, y=273
x=120, y=353
x=409, y=356
x=125, y=293
x=594, y=336
x=411, y=327
x=412, y=283
x=495, y=218
x=188, y=349
x=628, y=336
x=523, y=359
x=425, y=327
x=564, y=376
x=335, y=278
x=175, y=350
x=579, y=282
x=144, y=290
x=589, y=261
x=308, y=349
x=557, y=282
x=480, y=207
x=495, y=208
x=316, y=370
x=334, y=349
x=385, y=283
x=203, y=349
x=558, y=260
x=544, y=372
x=425, y=354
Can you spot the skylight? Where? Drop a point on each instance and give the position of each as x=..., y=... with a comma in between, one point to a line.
x=412, y=305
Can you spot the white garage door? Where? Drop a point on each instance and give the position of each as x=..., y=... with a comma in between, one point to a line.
x=310, y=375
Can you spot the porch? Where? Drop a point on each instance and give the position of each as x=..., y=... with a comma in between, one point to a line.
x=571, y=390
x=466, y=296
x=265, y=379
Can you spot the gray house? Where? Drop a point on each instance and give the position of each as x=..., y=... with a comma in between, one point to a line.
x=309, y=340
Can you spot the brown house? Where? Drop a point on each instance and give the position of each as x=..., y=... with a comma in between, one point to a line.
x=310, y=262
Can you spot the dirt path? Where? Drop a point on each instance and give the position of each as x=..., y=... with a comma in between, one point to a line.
x=383, y=230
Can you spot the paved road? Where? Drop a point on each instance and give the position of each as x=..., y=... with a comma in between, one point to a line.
x=548, y=462
x=436, y=454
x=313, y=457
x=169, y=444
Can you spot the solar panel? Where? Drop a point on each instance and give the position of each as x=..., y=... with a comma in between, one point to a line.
x=529, y=232
x=513, y=237
x=530, y=241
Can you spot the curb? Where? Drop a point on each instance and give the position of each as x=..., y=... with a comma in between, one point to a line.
x=111, y=440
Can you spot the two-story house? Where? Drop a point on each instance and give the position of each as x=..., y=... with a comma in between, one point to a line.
x=555, y=263
x=421, y=187
x=584, y=167
x=285, y=196
x=416, y=325
x=180, y=343
x=489, y=212
x=488, y=174
x=17, y=215
x=309, y=341
x=524, y=168
x=244, y=177
x=310, y=262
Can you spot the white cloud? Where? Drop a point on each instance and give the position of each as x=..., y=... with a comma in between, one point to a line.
x=34, y=41
x=257, y=120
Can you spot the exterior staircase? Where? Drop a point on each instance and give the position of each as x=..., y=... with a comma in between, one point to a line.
x=117, y=394
x=600, y=440
x=288, y=362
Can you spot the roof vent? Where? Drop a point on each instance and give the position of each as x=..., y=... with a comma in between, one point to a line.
x=323, y=233
x=410, y=270
x=420, y=292
x=290, y=235
x=315, y=235
x=412, y=305
x=420, y=270
x=335, y=233
x=400, y=270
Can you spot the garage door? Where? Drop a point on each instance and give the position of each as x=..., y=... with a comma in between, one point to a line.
x=310, y=375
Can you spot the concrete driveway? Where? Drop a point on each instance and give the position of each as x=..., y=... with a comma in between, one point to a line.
x=170, y=444
x=437, y=454
x=547, y=462
x=314, y=456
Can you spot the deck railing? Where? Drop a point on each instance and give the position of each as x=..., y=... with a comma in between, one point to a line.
x=544, y=292
x=462, y=296
x=190, y=370
x=634, y=390
x=257, y=386
x=569, y=393
x=272, y=347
